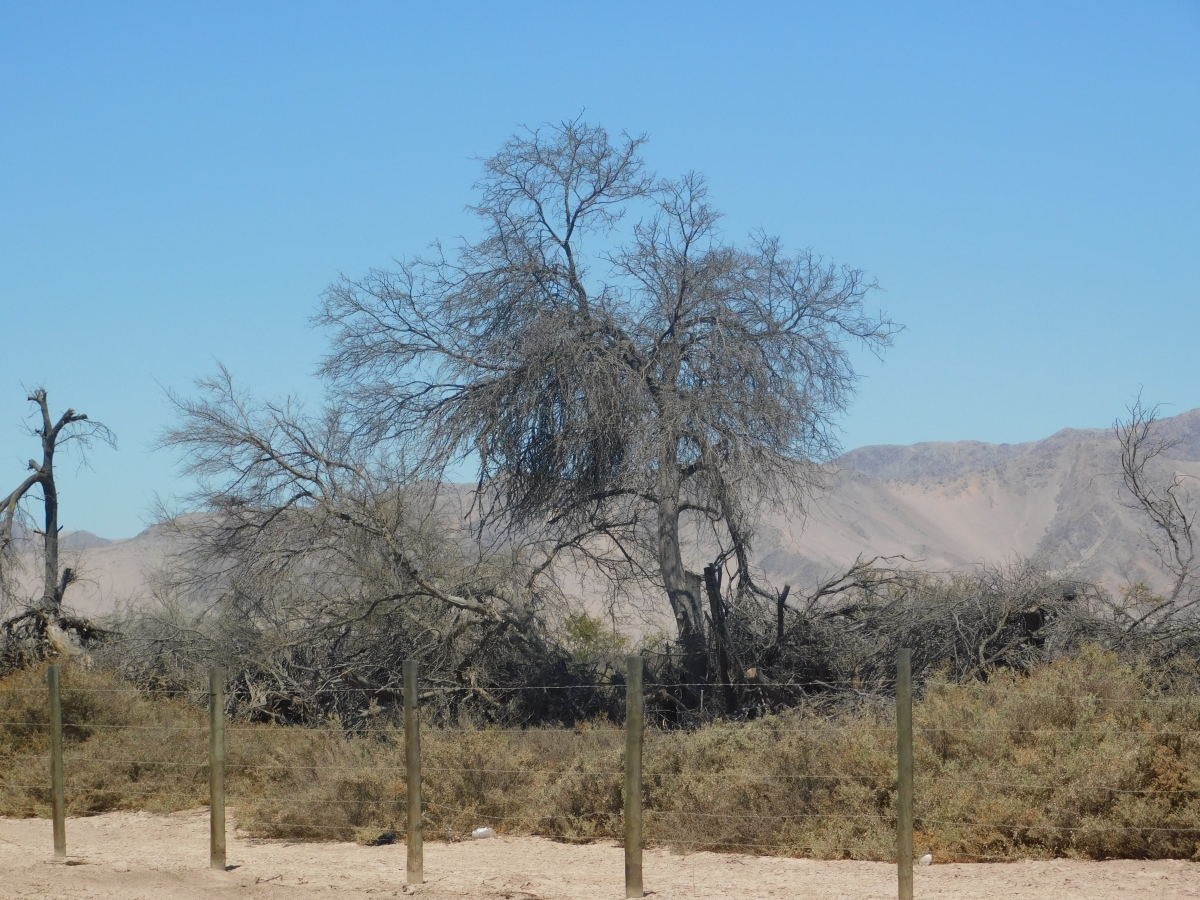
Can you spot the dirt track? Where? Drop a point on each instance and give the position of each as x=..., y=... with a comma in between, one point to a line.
x=122, y=856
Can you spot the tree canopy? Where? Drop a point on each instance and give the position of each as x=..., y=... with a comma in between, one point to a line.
x=612, y=362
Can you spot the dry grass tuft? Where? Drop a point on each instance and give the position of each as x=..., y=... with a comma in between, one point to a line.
x=1081, y=758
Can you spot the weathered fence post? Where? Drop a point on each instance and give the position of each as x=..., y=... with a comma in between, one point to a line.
x=904, y=759
x=412, y=762
x=635, y=729
x=216, y=769
x=58, y=794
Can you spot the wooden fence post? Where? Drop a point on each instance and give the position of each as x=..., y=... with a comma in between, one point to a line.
x=412, y=762
x=58, y=795
x=635, y=729
x=904, y=759
x=216, y=769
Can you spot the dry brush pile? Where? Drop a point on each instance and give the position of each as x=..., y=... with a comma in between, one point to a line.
x=1084, y=757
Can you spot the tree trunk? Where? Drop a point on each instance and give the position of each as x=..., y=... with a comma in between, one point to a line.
x=712, y=586
x=51, y=591
x=684, y=588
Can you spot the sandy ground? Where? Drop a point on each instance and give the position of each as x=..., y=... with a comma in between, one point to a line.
x=123, y=856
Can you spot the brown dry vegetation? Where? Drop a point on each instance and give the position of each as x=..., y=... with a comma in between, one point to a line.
x=1084, y=757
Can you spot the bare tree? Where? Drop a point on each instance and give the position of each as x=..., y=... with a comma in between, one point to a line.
x=1163, y=494
x=42, y=617
x=264, y=468
x=307, y=569
x=613, y=386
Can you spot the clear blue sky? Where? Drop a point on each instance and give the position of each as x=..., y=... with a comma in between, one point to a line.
x=179, y=182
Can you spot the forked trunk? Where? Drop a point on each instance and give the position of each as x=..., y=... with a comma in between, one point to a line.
x=685, y=590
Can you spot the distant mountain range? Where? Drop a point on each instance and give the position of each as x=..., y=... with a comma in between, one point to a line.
x=945, y=506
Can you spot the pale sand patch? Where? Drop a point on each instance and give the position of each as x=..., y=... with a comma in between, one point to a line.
x=167, y=857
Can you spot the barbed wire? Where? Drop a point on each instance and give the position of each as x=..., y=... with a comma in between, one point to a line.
x=617, y=773
x=986, y=689
x=977, y=688
x=132, y=762
x=934, y=776
x=754, y=776
x=391, y=688
x=656, y=733
x=614, y=773
x=434, y=808
x=99, y=725
x=680, y=842
x=252, y=823
x=772, y=818
x=1026, y=826
x=234, y=766
x=1140, y=731
x=67, y=689
x=93, y=790
x=300, y=801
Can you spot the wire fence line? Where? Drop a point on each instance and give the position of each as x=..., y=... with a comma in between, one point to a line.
x=825, y=807
x=927, y=729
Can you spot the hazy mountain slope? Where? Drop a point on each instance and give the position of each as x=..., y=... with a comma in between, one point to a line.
x=109, y=572
x=959, y=504
x=946, y=505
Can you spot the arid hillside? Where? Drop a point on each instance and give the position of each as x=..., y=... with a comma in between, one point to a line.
x=941, y=505
x=954, y=505
x=110, y=572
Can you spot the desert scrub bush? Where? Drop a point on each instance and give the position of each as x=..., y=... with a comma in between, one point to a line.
x=1083, y=757
x=121, y=749
x=793, y=784
x=1086, y=757
x=555, y=782
x=125, y=749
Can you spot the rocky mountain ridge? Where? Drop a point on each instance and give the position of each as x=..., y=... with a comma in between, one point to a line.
x=956, y=505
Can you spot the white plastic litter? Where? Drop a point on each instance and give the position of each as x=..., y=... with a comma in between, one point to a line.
x=121, y=866
x=926, y=860
x=480, y=833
